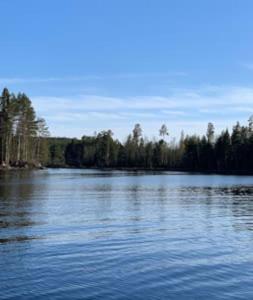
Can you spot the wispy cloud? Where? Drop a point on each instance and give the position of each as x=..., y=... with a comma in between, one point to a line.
x=180, y=102
x=134, y=75
x=18, y=80
x=248, y=66
x=182, y=109
x=174, y=112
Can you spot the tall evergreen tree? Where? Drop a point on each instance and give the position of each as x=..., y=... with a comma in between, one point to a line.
x=19, y=130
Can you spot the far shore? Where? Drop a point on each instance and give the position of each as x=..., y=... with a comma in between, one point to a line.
x=127, y=169
x=135, y=169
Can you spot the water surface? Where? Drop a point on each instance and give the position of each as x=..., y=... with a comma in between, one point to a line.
x=89, y=234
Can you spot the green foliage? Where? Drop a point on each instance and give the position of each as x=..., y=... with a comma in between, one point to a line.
x=24, y=139
x=223, y=153
x=56, y=151
x=22, y=136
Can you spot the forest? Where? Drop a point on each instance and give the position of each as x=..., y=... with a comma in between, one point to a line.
x=224, y=153
x=22, y=135
x=24, y=140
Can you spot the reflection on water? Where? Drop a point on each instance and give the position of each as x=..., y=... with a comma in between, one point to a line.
x=78, y=234
x=16, y=206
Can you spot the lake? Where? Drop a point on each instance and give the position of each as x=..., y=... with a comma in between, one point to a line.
x=90, y=234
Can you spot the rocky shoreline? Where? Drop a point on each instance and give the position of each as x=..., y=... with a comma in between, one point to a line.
x=21, y=166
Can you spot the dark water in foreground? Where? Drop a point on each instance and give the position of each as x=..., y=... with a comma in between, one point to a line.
x=76, y=234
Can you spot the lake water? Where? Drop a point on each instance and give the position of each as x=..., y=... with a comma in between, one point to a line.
x=89, y=234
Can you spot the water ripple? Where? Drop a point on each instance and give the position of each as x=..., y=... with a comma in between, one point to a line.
x=90, y=234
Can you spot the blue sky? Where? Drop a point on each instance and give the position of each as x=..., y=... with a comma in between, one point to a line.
x=94, y=65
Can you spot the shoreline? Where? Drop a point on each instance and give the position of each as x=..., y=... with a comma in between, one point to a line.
x=134, y=169
x=129, y=169
x=10, y=169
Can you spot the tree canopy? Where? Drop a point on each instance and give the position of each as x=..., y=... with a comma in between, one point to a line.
x=24, y=140
x=22, y=134
x=213, y=153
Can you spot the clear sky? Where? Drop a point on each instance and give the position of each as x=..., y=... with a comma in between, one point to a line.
x=90, y=65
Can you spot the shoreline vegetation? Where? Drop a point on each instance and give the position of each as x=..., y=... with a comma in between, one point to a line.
x=23, y=135
x=25, y=143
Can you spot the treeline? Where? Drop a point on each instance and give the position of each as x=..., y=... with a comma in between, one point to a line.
x=24, y=141
x=23, y=136
x=215, y=153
